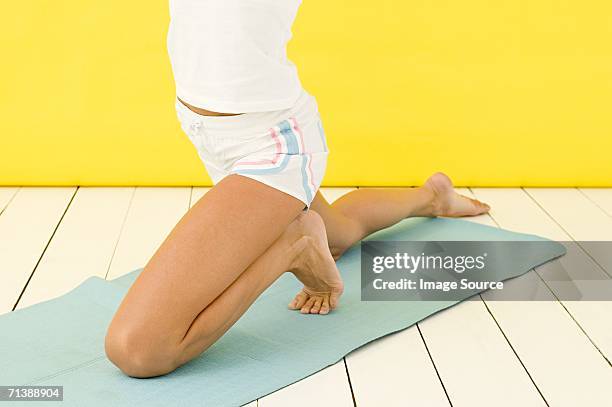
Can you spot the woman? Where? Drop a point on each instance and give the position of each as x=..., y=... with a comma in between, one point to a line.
x=259, y=134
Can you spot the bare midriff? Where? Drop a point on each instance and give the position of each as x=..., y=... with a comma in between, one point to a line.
x=205, y=112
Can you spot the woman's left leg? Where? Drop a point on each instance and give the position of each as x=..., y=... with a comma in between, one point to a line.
x=367, y=210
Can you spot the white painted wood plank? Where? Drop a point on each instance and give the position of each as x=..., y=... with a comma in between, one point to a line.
x=395, y=371
x=514, y=209
x=602, y=197
x=331, y=194
x=152, y=215
x=474, y=359
x=581, y=218
x=566, y=367
x=575, y=213
x=472, y=356
x=26, y=226
x=320, y=389
x=6, y=194
x=83, y=244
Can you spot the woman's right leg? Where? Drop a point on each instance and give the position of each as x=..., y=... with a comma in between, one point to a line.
x=301, y=249
x=220, y=256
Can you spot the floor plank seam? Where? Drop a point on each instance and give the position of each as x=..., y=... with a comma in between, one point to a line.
x=10, y=200
x=548, y=214
x=123, y=222
x=594, y=203
x=568, y=234
x=434, y=365
x=514, y=351
x=559, y=301
x=500, y=328
x=348, y=376
x=42, y=254
x=190, y=198
x=573, y=319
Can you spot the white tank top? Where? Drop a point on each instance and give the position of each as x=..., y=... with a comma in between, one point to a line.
x=230, y=56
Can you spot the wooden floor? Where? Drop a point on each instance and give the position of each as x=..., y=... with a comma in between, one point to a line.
x=478, y=353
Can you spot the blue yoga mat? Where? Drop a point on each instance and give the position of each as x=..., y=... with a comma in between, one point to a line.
x=60, y=341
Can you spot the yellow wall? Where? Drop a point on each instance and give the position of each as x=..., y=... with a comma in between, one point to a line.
x=506, y=92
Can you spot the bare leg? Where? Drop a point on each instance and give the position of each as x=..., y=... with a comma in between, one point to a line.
x=364, y=211
x=302, y=250
x=220, y=256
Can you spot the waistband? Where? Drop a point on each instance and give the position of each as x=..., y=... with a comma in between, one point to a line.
x=247, y=122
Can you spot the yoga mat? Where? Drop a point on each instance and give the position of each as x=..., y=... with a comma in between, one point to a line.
x=60, y=341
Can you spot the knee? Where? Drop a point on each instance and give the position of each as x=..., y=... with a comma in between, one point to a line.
x=340, y=242
x=136, y=356
x=337, y=251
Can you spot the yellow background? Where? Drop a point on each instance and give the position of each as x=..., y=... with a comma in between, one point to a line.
x=496, y=93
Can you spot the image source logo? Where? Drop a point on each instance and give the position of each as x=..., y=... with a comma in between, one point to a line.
x=456, y=270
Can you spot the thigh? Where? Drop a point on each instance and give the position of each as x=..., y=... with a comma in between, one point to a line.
x=216, y=240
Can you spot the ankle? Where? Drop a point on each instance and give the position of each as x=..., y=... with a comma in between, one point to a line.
x=429, y=203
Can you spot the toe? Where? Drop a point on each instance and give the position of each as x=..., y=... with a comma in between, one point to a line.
x=307, y=307
x=325, y=306
x=480, y=207
x=334, y=298
x=316, y=307
x=299, y=300
x=465, y=206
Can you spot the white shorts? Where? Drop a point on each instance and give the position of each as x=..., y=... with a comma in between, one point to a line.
x=284, y=149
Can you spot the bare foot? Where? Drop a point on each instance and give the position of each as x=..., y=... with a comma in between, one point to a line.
x=447, y=202
x=315, y=268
